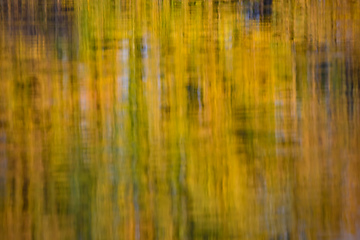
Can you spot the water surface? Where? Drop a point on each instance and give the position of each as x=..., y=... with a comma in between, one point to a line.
x=150, y=119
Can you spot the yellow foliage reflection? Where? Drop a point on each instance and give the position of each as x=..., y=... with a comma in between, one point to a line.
x=179, y=119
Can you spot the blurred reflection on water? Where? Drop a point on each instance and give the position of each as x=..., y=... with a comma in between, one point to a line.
x=175, y=119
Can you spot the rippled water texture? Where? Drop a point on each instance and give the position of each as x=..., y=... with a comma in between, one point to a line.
x=179, y=119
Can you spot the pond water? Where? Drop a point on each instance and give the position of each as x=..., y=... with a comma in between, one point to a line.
x=179, y=119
